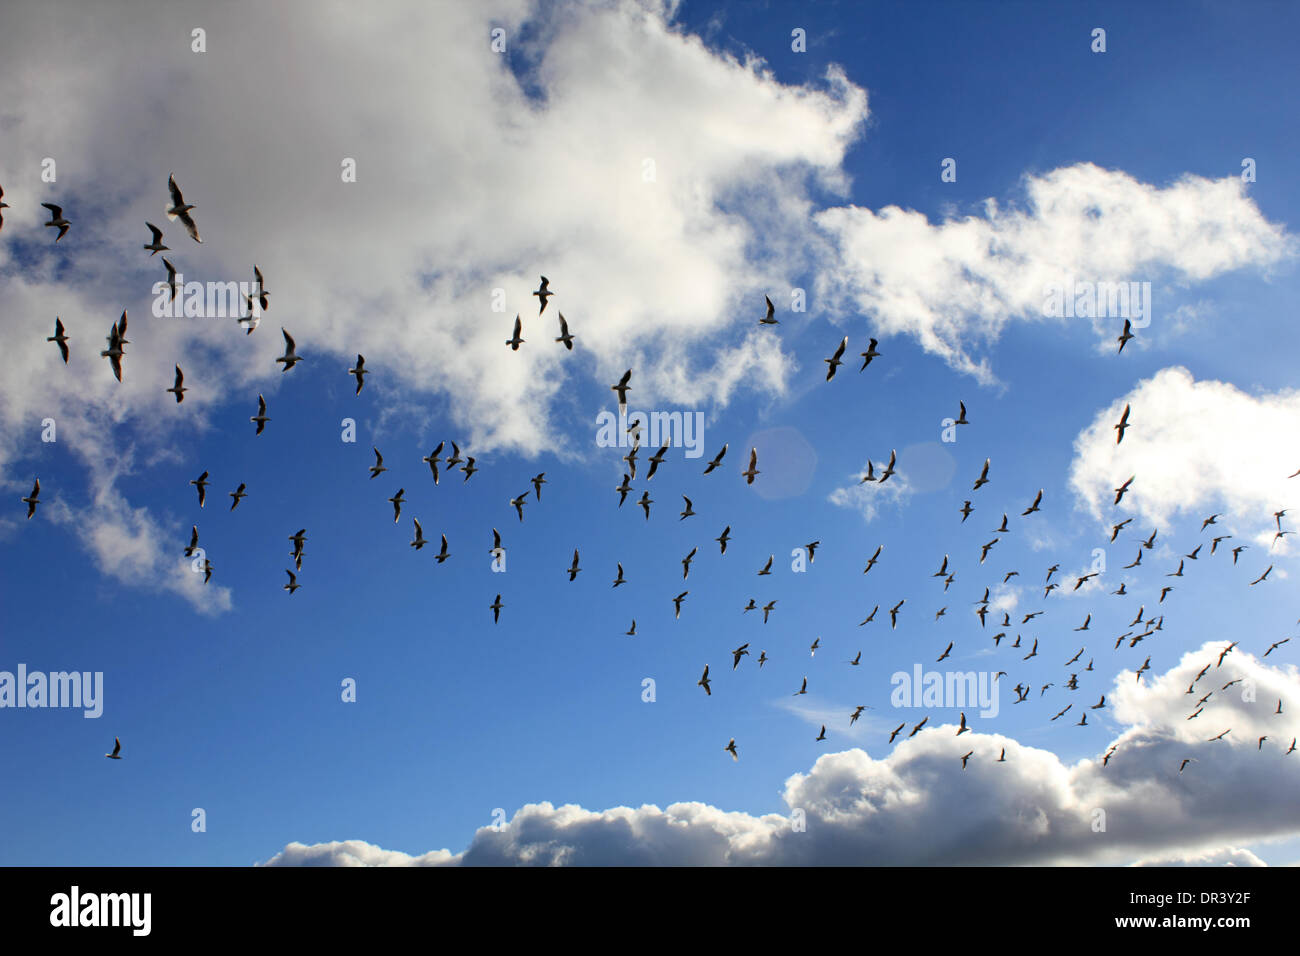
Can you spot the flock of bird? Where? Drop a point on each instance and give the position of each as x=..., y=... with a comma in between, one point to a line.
x=1003, y=642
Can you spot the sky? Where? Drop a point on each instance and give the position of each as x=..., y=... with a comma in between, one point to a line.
x=921, y=174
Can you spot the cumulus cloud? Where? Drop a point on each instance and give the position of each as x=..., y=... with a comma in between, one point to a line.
x=955, y=285
x=1193, y=447
x=916, y=806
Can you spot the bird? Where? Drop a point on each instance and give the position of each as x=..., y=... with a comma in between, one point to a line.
x=171, y=277
x=889, y=469
x=871, y=562
x=965, y=510
x=645, y=502
x=767, y=609
x=688, y=511
x=983, y=479
x=893, y=614
x=1262, y=576
x=655, y=461
x=961, y=418
x=1125, y=335
x=1034, y=507
x=1119, y=492
x=496, y=607
x=293, y=584
x=262, y=296
x=397, y=501
x=811, y=548
x=543, y=293
x=737, y=654
x=677, y=604
x=201, y=482
x=723, y=538
x=1120, y=428
x=454, y=458
x=155, y=243
x=469, y=468
x=238, y=495
x=60, y=338
x=963, y=728
x=822, y=735
x=731, y=749
x=753, y=467
x=419, y=541
x=717, y=460
x=359, y=370
x=762, y=658
x=946, y=651
x=57, y=220
x=515, y=341
x=565, y=337
x=114, y=351
x=180, y=209
x=817, y=642
x=208, y=568
x=686, y=563
x=179, y=389
x=771, y=311
x=1186, y=760
x=117, y=750
x=622, y=388
x=33, y=499
x=834, y=361
x=194, y=541
x=260, y=418
x=378, y=466
x=538, y=480
x=290, y=358
x=3, y=205
x=803, y=688
x=704, y=682
x=432, y=460
x=631, y=631
x=518, y=504
x=857, y=660
x=620, y=579
x=1116, y=529
x=868, y=355
x=443, y=554
x=767, y=568
x=1275, y=645
x=870, y=617
x=896, y=731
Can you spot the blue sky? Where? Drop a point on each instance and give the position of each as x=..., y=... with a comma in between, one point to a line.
x=237, y=709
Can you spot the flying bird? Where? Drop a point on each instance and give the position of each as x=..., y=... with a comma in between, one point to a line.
x=293, y=584
x=33, y=499
x=515, y=341
x=57, y=220
x=834, y=361
x=238, y=495
x=717, y=460
x=155, y=243
x=117, y=750
x=622, y=388
x=983, y=479
x=378, y=466
x=1119, y=492
x=359, y=370
x=260, y=418
x=543, y=293
x=1125, y=335
x=60, y=338
x=496, y=607
x=290, y=358
x=565, y=337
x=753, y=467
x=1123, y=424
x=180, y=209
x=1034, y=507
x=868, y=355
x=771, y=311
x=397, y=501
x=201, y=482
x=178, y=389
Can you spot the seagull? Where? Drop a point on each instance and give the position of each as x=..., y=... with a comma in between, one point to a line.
x=60, y=338
x=897, y=730
x=1275, y=645
x=767, y=568
x=359, y=370
x=822, y=735
x=543, y=293
x=686, y=563
x=469, y=468
x=723, y=538
x=871, y=616
x=238, y=495
x=515, y=341
x=767, y=609
x=565, y=337
x=762, y=658
x=963, y=728
x=117, y=750
x=290, y=357
x=114, y=351
x=1186, y=760
x=834, y=361
x=645, y=502
x=454, y=459
x=260, y=417
x=397, y=501
x=443, y=554
x=753, y=467
x=1116, y=529
x=717, y=460
x=201, y=482
x=1125, y=335
x=965, y=510
x=986, y=548
x=871, y=473
x=538, y=480
x=622, y=388
x=918, y=727
x=677, y=604
x=262, y=295
x=620, y=579
x=1262, y=576
x=208, y=568
x=771, y=311
x=688, y=511
x=946, y=651
x=655, y=461
x=378, y=466
x=180, y=209
x=171, y=277
x=731, y=749
x=868, y=355
x=1119, y=492
x=889, y=469
x=194, y=541
x=293, y=584
x=871, y=562
x=33, y=500
x=704, y=682
x=803, y=688
x=857, y=661
x=179, y=389
x=3, y=205
x=496, y=607
x=519, y=504
x=961, y=419
x=155, y=243
x=1003, y=529
x=1237, y=551
x=56, y=219
x=1034, y=507
x=1123, y=424
x=737, y=654
x=983, y=479
x=631, y=631
x=817, y=642
x=419, y=541
x=893, y=614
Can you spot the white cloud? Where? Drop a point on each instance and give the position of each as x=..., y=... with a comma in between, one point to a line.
x=1193, y=448
x=916, y=806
